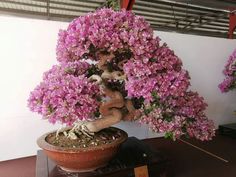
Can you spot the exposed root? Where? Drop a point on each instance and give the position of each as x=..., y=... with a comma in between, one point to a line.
x=62, y=129
x=78, y=129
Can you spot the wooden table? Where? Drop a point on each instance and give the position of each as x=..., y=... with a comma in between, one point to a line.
x=187, y=161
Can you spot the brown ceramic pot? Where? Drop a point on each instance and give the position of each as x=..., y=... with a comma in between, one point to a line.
x=81, y=159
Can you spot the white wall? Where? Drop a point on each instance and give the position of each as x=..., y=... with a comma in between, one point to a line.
x=27, y=49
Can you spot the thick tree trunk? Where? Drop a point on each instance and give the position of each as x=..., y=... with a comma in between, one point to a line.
x=104, y=122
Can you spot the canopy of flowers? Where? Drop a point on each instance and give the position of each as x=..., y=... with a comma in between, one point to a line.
x=229, y=82
x=66, y=95
x=154, y=79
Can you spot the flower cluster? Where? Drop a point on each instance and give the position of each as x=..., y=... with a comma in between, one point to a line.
x=162, y=74
x=229, y=82
x=154, y=76
x=65, y=95
x=107, y=30
x=178, y=115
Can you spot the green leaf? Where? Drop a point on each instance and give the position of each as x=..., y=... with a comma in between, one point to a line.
x=97, y=114
x=190, y=120
x=155, y=95
x=147, y=111
x=114, y=4
x=169, y=135
x=184, y=129
x=50, y=109
x=187, y=136
x=167, y=117
x=152, y=59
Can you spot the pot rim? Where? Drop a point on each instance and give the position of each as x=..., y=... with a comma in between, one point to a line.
x=42, y=143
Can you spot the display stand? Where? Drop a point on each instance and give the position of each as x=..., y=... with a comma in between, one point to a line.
x=228, y=130
x=133, y=153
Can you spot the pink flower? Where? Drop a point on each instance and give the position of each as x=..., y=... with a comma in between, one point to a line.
x=106, y=29
x=177, y=116
x=65, y=95
x=229, y=82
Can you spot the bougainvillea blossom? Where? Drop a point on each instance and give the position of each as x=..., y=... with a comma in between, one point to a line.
x=154, y=79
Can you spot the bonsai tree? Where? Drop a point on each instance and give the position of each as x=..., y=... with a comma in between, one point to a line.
x=112, y=68
x=229, y=82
